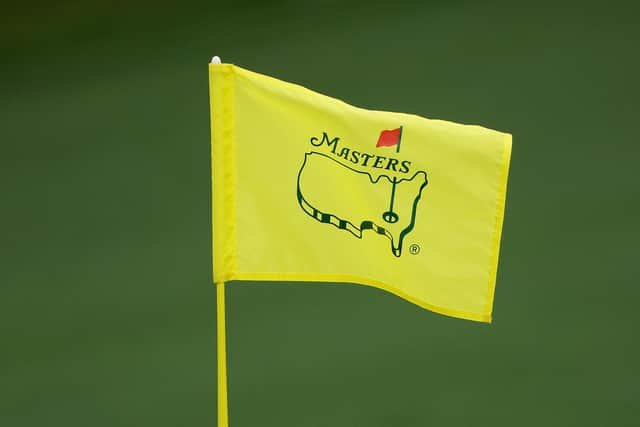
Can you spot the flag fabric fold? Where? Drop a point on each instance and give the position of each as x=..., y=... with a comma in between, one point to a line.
x=304, y=189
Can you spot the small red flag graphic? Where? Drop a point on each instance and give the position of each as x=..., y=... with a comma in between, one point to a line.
x=389, y=138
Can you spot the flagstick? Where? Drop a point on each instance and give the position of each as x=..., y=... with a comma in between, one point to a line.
x=223, y=410
x=390, y=216
x=223, y=404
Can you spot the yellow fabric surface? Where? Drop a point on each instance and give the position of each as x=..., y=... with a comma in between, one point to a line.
x=301, y=192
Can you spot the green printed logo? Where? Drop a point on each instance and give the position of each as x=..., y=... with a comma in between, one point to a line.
x=357, y=191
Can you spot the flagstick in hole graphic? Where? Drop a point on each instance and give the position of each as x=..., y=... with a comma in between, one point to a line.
x=389, y=138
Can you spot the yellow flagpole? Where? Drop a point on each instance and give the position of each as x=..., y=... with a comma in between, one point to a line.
x=223, y=409
x=223, y=404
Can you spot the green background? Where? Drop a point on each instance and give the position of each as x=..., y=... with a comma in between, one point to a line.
x=107, y=311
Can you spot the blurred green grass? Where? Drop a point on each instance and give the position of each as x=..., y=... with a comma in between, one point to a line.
x=107, y=314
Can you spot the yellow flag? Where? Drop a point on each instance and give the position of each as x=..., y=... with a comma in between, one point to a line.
x=309, y=188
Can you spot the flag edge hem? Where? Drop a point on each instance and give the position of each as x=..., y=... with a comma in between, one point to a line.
x=355, y=280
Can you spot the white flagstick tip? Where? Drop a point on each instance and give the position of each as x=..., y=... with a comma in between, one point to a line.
x=216, y=60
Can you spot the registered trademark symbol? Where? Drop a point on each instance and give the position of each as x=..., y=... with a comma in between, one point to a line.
x=414, y=249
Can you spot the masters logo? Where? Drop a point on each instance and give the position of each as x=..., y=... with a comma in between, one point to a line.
x=357, y=191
